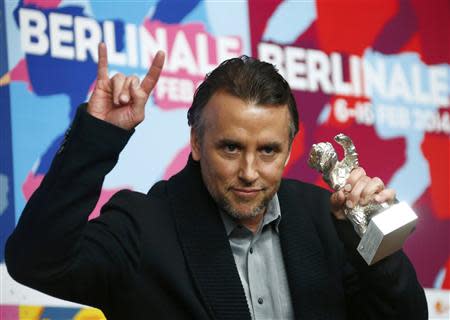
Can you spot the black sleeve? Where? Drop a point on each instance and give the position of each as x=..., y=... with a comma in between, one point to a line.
x=389, y=289
x=54, y=248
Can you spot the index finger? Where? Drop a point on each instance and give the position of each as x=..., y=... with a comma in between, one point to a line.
x=102, y=67
x=152, y=76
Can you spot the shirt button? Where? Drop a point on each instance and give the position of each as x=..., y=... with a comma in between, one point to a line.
x=260, y=300
x=251, y=250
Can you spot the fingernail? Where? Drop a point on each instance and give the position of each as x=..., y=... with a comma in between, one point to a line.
x=124, y=98
x=348, y=187
x=349, y=203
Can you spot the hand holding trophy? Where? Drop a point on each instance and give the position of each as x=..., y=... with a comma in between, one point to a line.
x=383, y=227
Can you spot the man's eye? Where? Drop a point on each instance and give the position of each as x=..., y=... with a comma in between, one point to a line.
x=268, y=151
x=231, y=148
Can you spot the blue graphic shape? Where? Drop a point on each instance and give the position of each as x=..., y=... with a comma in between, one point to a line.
x=12, y=32
x=297, y=15
x=147, y=138
x=218, y=18
x=439, y=281
x=413, y=177
x=173, y=11
x=196, y=15
x=4, y=191
x=324, y=114
x=36, y=115
x=158, y=123
x=134, y=12
x=50, y=76
x=59, y=313
x=7, y=207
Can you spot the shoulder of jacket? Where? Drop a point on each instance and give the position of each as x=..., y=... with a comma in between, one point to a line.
x=130, y=200
x=305, y=188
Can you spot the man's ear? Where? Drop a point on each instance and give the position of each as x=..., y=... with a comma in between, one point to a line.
x=195, y=145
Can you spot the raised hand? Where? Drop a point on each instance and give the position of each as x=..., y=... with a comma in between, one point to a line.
x=121, y=100
x=360, y=189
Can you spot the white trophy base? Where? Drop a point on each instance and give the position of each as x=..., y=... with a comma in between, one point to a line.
x=386, y=232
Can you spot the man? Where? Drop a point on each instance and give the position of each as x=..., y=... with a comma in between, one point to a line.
x=226, y=238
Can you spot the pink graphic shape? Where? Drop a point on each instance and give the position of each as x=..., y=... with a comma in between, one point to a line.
x=33, y=181
x=177, y=85
x=9, y=312
x=178, y=162
x=20, y=73
x=105, y=195
x=44, y=4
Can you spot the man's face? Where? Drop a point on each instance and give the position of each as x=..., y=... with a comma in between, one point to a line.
x=242, y=152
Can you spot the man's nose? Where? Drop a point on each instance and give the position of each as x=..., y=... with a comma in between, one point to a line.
x=248, y=172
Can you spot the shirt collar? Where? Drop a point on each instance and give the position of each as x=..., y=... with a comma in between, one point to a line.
x=272, y=215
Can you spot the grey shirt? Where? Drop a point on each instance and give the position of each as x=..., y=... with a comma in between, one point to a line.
x=260, y=265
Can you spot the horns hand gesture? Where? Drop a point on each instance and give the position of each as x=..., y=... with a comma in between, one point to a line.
x=121, y=100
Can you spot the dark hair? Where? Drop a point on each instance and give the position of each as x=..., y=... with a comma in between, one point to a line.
x=248, y=79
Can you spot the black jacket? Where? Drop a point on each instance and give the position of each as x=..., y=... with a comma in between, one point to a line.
x=165, y=255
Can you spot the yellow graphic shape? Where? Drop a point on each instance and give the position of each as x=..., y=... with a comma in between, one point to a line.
x=5, y=79
x=30, y=312
x=89, y=314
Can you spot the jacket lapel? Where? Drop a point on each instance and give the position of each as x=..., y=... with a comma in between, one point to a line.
x=205, y=245
x=303, y=255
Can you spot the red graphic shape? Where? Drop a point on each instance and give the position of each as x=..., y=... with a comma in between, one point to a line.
x=351, y=26
x=446, y=283
x=433, y=27
x=259, y=15
x=436, y=148
x=428, y=246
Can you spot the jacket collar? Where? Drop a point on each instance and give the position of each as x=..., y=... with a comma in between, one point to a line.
x=205, y=244
x=305, y=261
x=209, y=257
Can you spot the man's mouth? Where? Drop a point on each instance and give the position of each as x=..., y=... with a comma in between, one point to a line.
x=246, y=192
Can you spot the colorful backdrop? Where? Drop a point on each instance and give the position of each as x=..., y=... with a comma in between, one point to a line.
x=375, y=70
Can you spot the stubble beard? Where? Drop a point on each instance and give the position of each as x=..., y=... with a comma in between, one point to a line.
x=226, y=205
